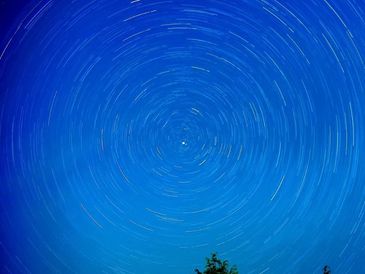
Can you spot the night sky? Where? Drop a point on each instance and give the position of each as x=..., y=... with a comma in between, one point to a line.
x=140, y=136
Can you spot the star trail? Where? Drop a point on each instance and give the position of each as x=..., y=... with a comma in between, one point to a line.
x=140, y=136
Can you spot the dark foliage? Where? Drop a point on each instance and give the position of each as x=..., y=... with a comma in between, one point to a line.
x=214, y=265
x=326, y=270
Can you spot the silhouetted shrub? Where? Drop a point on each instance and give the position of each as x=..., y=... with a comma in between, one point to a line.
x=214, y=265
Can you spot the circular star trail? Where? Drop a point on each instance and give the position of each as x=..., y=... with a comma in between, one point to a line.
x=138, y=137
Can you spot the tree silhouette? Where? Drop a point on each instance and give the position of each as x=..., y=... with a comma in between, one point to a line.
x=326, y=270
x=214, y=265
x=217, y=266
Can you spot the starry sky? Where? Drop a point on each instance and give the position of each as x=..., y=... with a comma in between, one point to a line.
x=139, y=136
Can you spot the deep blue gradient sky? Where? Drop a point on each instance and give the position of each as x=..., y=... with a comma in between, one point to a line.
x=138, y=137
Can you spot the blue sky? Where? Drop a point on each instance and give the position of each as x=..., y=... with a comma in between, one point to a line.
x=138, y=137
